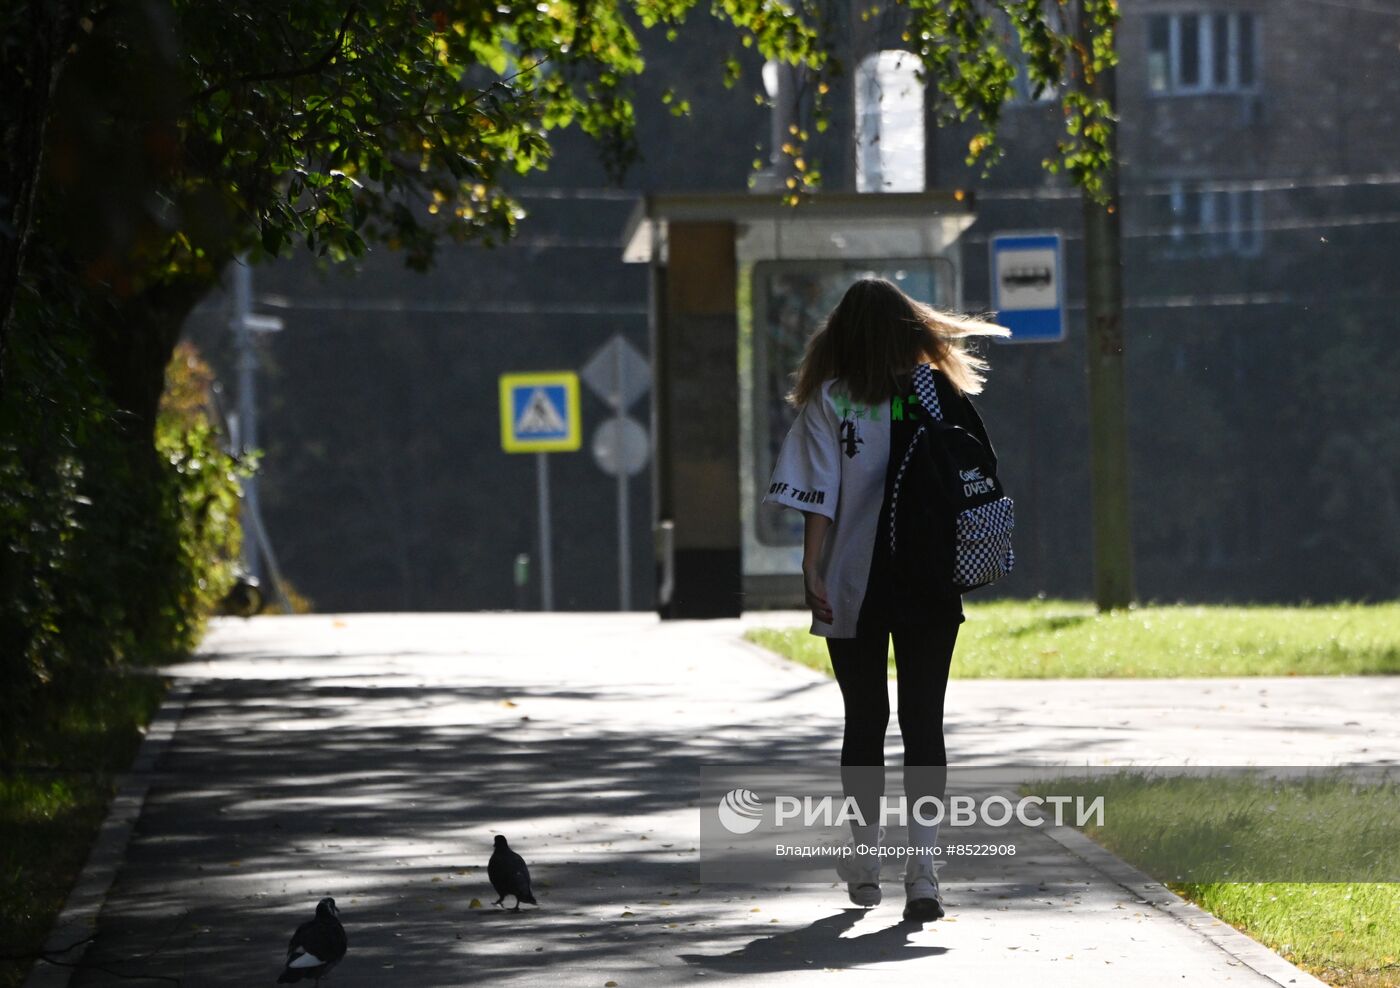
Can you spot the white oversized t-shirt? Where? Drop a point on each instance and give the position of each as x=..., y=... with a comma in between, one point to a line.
x=833, y=462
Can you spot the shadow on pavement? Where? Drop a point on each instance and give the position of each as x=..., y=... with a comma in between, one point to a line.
x=386, y=795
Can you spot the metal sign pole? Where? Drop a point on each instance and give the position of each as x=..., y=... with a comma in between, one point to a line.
x=624, y=546
x=539, y=414
x=546, y=550
x=619, y=375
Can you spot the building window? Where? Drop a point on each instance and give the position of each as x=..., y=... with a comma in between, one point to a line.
x=1023, y=87
x=1199, y=221
x=889, y=124
x=1202, y=53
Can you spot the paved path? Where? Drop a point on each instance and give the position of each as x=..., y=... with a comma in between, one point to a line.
x=372, y=757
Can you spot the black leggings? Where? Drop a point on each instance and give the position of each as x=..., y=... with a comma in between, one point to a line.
x=922, y=656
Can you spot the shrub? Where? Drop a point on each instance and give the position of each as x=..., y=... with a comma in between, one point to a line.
x=109, y=555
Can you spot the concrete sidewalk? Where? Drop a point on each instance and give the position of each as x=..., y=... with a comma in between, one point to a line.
x=372, y=757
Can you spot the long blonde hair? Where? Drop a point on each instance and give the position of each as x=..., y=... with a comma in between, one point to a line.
x=876, y=334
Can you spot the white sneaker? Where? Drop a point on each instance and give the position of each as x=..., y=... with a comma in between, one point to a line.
x=861, y=873
x=922, y=899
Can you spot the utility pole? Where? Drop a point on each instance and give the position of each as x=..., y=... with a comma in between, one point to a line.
x=244, y=324
x=1108, y=420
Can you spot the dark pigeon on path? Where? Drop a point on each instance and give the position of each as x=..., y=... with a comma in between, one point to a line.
x=316, y=947
x=509, y=876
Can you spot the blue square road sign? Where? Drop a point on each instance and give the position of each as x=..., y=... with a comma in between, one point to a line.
x=540, y=412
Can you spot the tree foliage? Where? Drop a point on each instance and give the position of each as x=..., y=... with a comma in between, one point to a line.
x=150, y=142
x=339, y=124
x=970, y=51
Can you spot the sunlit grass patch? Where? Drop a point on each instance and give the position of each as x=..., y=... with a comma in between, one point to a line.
x=1346, y=933
x=1319, y=825
x=1048, y=639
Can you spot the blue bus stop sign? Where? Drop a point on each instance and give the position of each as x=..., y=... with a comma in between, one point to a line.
x=1028, y=286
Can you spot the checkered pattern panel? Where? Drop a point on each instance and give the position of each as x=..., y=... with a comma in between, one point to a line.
x=984, y=549
x=927, y=392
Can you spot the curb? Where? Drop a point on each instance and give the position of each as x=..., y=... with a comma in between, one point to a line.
x=1249, y=952
x=782, y=662
x=78, y=919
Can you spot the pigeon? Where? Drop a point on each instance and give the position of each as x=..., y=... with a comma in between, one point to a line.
x=316, y=947
x=509, y=876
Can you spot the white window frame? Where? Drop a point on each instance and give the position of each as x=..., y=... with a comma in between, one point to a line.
x=1205, y=50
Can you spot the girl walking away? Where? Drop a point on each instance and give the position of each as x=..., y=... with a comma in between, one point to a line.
x=856, y=402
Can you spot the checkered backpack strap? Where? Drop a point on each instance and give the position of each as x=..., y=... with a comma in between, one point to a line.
x=927, y=391
x=899, y=485
x=927, y=394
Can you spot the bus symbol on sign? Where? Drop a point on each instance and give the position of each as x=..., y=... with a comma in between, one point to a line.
x=1017, y=278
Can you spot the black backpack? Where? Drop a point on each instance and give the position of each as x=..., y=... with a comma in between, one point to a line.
x=950, y=518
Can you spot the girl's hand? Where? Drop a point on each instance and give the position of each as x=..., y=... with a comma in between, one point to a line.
x=814, y=529
x=815, y=589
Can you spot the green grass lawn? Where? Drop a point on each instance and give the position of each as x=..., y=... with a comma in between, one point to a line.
x=1346, y=933
x=1052, y=639
x=53, y=799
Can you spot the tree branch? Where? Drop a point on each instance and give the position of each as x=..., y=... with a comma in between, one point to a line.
x=303, y=70
x=498, y=84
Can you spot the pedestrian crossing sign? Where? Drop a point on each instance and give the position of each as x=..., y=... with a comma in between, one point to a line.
x=539, y=412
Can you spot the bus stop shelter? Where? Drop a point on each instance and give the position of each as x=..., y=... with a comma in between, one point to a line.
x=738, y=283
